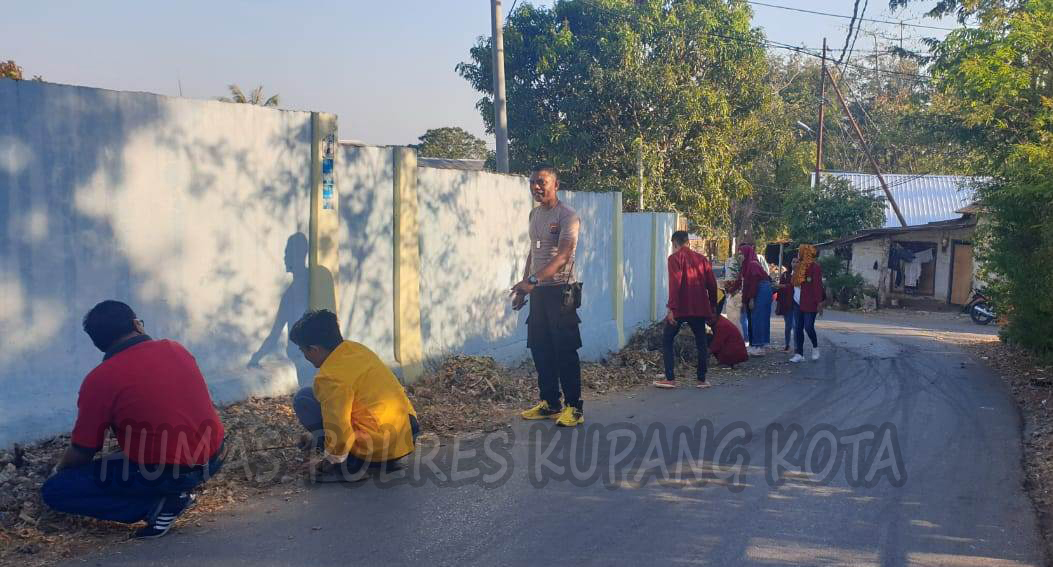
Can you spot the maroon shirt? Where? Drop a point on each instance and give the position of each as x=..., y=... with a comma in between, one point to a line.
x=751, y=274
x=784, y=295
x=152, y=395
x=812, y=290
x=692, y=285
x=727, y=344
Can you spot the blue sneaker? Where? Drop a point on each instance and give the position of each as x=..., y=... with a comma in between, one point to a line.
x=160, y=521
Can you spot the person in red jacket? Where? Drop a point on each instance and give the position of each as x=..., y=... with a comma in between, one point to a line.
x=755, y=283
x=692, y=300
x=809, y=293
x=727, y=345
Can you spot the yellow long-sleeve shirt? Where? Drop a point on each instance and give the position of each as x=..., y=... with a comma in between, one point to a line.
x=365, y=410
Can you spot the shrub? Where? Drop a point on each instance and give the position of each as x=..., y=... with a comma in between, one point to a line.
x=830, y=211
x=843, y=285
x=1015, y=249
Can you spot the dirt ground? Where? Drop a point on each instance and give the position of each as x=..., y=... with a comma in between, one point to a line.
x=465, y=395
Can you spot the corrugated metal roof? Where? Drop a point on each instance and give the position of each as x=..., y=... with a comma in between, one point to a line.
x=921, y=198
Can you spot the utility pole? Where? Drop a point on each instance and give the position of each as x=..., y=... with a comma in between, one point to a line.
x=822, y=116
x=639, y=169
x=500, y=108
x=866, y=150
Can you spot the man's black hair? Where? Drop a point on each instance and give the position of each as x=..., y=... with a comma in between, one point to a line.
x=546, y=169
x=317, y=328
x=680, y=237
x=107, y=322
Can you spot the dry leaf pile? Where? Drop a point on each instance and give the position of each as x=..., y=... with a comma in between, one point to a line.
x=470, y=393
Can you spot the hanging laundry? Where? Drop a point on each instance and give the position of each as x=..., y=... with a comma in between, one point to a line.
x=912, y=270
x=897, y=256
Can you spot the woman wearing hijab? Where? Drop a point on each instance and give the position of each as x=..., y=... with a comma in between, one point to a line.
x=755, y=284
x=809, y=295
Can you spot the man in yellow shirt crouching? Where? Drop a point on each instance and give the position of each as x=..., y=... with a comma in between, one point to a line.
x=357, y=411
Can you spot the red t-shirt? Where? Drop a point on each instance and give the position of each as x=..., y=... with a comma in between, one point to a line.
x=692, y=285
x=727, y=343
x=154, y=398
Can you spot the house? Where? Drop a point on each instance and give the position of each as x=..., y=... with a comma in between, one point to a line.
x=932, y=257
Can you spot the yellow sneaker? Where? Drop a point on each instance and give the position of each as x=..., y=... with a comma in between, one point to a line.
x=570, y=417
x=540, y=411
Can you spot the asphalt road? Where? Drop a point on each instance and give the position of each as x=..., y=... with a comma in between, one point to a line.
x=960, y=503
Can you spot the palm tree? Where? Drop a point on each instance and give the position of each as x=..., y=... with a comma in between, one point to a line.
x=256, y=97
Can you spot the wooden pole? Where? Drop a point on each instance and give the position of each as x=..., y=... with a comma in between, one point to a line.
x=866, y=150
x=822, y=117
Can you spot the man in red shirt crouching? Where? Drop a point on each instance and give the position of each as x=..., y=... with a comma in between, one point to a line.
x=152, y=396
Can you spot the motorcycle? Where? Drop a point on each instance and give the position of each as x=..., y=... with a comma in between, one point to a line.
x=980, y=309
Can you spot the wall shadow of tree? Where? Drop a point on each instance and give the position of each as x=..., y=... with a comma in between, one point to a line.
x=636, y=247
x=172, y=205
x=474, y=245
x=593, y=266
x=365, y=179
x=473, y=249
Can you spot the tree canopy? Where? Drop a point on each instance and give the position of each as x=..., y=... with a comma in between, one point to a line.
x=450, y=143
x=834, y=209
x=596, y=86
x=995, y=91
x=593, y=85
x=11, y=70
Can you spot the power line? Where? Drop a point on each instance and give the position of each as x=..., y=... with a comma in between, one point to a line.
x=792, y=9
x=806, y=51
x=859, y=27
x=851, y=24
x=803, y=51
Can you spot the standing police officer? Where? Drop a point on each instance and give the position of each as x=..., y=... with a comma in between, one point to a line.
x=552, y=327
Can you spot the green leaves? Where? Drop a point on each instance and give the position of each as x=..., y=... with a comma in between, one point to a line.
x=450, y=143
x=594, y=84
x=255, y=97
x=830, y=211
x=995, y=83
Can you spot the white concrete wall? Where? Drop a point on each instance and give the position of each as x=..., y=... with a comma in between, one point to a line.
x=196, y=214
x=864, y=254
x=638, y=271
x=474, y=243
x=593, y=267
x=365, y=287
x=181, y=208
x=664, y=246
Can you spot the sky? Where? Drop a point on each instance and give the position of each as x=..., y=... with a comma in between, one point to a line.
x=385, y=68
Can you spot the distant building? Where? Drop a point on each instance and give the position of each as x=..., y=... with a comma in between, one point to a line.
x=932, y=257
